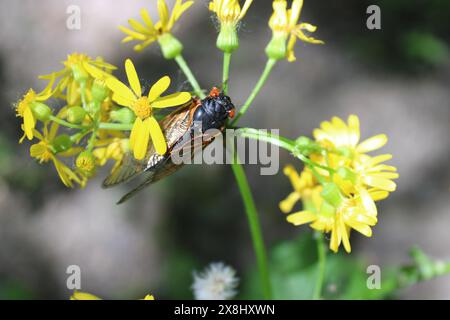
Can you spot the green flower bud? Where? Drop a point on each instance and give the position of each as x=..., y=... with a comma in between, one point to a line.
x=99, y=90
x=86, y=163
x=62, y=143
x=79, y=74
x=123, y=115
x=41, y=111
x=277, y=49
x=332, y=194
x=228, y=40
x=76, y=114
x=170, y=46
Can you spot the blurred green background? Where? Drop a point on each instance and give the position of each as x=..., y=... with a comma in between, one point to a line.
x=395, y=79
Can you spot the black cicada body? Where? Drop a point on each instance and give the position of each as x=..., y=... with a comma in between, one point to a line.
x=179, y=130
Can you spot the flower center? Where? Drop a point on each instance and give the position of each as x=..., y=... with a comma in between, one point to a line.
x=41, y=151
x=75, y=59
x=142, y=108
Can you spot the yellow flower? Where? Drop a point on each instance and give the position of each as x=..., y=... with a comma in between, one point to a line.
x=145, y=124
x=285, y=26
x=345, y=137
x=44, y=151
x=342, y=184
x=25, y=105
x=77, y=69
x=78, y=295
x=229, y=11
x=303, y=185
x=114, y=150
x=356, y=212
x=368, y=172
x=148, y=32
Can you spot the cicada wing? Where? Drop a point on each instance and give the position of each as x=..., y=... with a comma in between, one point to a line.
x=124, y=172
x=152, y=176
x=174, y=126
x=189, y=143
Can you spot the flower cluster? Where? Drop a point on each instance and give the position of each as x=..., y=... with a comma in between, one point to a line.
x=80, y=119
x=341, y=182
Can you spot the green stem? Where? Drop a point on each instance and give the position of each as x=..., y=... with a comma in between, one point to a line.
x=255, y=227
x=187, y=71
x=66, y=124
x=256, y=134
x=269, y=66
x=321, y=252
x=115, y=126
x=226, y=71
x=282, y=142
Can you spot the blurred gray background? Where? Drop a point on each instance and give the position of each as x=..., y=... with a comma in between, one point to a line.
x=395, y=79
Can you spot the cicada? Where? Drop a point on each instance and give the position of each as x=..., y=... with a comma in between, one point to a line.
x=180, y=129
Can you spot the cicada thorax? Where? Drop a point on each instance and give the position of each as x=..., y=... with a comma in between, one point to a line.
x=184, y=128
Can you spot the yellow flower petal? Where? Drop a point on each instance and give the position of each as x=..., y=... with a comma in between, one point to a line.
x=131, y=33
x=77, y=295
x=344, y=234
x=245, y=9
x=149, y=297
x=175, y=99
x=353, y=128
x=372, y=143
x=361, y=228
x=95, y=72
x=120, y=89
x=28, y=123
x=158, y=139
x=301, y=217
x=122, y=101
x=380, y=183
x=141, y=141
x=163, y=12
x=136, y=25
x=378, y=195
x=295, y=11
x=135, y=131
x=133, y=78
x=158, y=88
x=287, y=204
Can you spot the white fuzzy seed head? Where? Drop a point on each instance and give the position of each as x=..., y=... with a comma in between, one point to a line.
x=217, y=282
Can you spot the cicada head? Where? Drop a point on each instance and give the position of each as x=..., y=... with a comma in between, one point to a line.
x=215, y=110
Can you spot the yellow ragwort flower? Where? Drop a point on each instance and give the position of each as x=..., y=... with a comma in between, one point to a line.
x=285, y=27
x=77, y=69
x=339, y=194
x=113, y=149
x=303, y=185
x=44, y=151
x=229, y=11
x=353, y=212
x=145, y=124
x=78, y=295
x=24, y=108
x=148, y=32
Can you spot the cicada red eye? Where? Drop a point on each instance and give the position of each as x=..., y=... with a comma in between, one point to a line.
x=231, y=113
x=214, y=92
